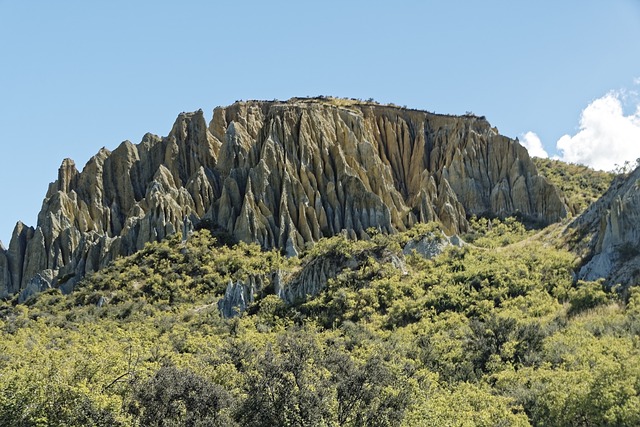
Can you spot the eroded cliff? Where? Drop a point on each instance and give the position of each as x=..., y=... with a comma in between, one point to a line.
x=282, y=174
x=607, y=234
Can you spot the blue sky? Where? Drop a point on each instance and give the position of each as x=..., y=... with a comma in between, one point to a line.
x=76, y=75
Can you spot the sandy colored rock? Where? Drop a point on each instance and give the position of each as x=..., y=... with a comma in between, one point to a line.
x=16, y=255
x=281, y=174
x=607, y=234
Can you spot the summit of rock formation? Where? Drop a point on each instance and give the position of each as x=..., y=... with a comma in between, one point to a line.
x=282, y=174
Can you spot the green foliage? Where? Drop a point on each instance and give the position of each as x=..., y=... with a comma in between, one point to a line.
x=586, y=379
x=580, y=184
x=587, y=295
x=491, y=333
x=287, y=386
x=493, y=233
x=467, y=404
x=179, y=397
x=170, y=272
x=417, y=232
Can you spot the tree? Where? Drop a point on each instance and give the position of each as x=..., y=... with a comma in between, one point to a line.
x=179, y=397
x=287, y=386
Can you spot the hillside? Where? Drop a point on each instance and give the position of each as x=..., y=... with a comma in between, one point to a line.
x=324, y=262
x=606, y=235
x=408, y=330
x=580, y=185
x=279, y=174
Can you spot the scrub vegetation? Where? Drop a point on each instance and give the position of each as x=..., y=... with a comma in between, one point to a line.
x=492, y=333
x=580, y=184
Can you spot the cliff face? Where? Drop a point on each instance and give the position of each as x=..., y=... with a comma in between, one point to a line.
x=608, y=236
x=278, y=173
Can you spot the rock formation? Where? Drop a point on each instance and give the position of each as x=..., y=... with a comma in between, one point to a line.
x=278, y=173
x=239, y=295
x=431, y=245
x=5, y=273
x=607, y=234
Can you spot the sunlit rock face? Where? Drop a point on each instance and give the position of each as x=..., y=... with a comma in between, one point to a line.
x=608, y=234
x=281, y=174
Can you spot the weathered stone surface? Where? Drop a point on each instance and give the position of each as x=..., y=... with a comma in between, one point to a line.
x=313, y=277
x=431, y=245
x=5, y=274
x=281, y=174
x=608, y=236
x=241, y=293
x=237, y=298
x=38, y=283
x=16, y=256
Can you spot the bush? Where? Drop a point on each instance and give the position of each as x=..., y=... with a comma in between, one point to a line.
x=587, y=295
x=175, y=397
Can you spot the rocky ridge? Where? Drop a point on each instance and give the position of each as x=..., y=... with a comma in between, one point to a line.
x=607, y=234
x=282, y=174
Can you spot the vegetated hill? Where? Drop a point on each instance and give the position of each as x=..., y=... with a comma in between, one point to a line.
x=280, y=174
x=604, y=233
x=407, y=330
x=199, y=315
x=579, y=184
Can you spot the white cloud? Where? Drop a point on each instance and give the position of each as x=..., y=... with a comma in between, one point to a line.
x=606, y=137
x=532, y=143
x=636, y=81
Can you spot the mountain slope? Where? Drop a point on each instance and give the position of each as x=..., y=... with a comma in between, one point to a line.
x=606, y=235
x=281, y=174
x=578, y=184
x=473, y=336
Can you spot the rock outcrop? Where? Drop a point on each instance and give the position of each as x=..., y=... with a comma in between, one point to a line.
x=431, y=245
x=278, y=173
x=608, y=236
x=5, y=273
x=238, y=296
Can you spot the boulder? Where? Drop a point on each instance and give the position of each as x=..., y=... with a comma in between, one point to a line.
x=431, y=245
